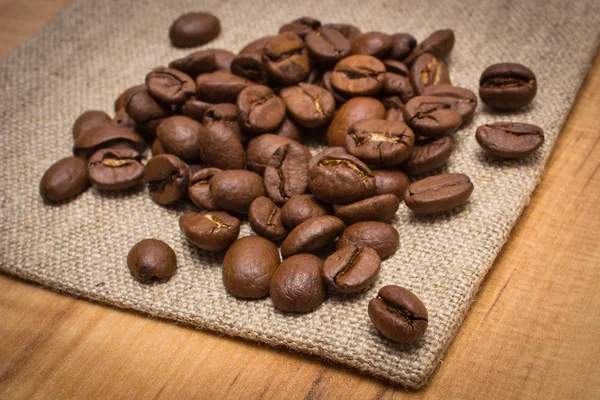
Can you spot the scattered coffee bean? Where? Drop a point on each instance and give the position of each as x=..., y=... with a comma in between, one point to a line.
x=146, y=111
x=312, y=235
x=115, y=169
x=310, y=105
x=391, y=181
x=265, y=219
x=356, y=109
x=261, y=148
x=510, y=139
x=250, y=66
x=351, y=269
x=210, y=231
x=221, y=147
x=181, y=136
x=327, y=46
x=380, y=236
x=286, y=174
x=302, y=208
x=377, y=208
x=151, y=258
x=203, y=61
x=234, y=190
x=194, y=29
x=64, y=179
x=220, y=86
x=88, y=120
x=170, y=85
x=223, y=116
x=376, y=44
x=195, y=108
x=107, y=136
x=439, y=44
x=358, y=75
x=124, y=97
x=259, y=109
x=432, y=116
x=438, y=193
x=426, y=71
x=199, y=189
x=464, y=101
x=402, y=45
x=286, y=59
x=430, y=156
x=301, y=26
x=507, y=86
x=167, y=178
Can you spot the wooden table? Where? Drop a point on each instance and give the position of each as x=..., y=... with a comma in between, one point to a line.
x=533, y=332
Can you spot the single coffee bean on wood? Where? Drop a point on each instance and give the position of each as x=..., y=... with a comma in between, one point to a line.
x=107, y=136
x=194, y=29
x=439, y=44
x=398, y=314
x=376, y=44
x=301, y=26
x=286, y=59
x=312, y=235
x=286, y=174
x=64, y=179
x=210, y=230
x=199, y=189
x=152, y=258
x=430, y=156
x=354, y=110
x=510, y=139
x=351, y=269
x=234, y=190
x=327, y=46
x=463, y=100
x=507, y=86
x=309, y=105
x=220, y=86
x=432, y=116
x=438, y=193
x=88, y=120
x=426, y=71
x=376, y=208
x=181, y=136
x=380, y=236
x=391, y=181
x=302, y=208
x=170, y=85
x=265, y=219
x=167, y=178
x=115, y=169
x=358, y=75
x=259, y=109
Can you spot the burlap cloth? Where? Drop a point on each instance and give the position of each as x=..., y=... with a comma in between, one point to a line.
x=94, y=50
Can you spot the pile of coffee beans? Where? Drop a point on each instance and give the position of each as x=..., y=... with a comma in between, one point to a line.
x=227, y=130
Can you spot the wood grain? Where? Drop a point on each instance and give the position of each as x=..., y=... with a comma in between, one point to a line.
x=533, y=331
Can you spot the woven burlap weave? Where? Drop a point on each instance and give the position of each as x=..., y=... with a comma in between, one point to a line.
x=95, y=49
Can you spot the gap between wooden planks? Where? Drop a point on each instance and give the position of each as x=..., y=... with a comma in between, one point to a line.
x=533, y=331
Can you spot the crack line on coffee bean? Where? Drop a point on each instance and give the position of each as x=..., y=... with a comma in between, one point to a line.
x=159, y=185
x=279, y=169
x=257, y=103
x=438, y=187
x=405, y=313
x=348, y=164
x=500, y=82
x=272, y=216
x=218, y=223
x=172, y=76
x=358, y=74
x=351, y=264
x=286, y=55
x=511, y=132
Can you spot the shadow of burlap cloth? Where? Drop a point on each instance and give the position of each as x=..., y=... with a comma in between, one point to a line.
x=94, y=50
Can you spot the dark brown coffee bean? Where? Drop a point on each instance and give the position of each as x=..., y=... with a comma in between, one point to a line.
x=380, y=142
x=341, y=179
x=248, y=267
x=220, y=86
x=256, y=46
x=199, y=189
x=398, y=314
x=194, y=29
x=181, y=136
x=358, y=75
x=351, y=269
x=210, y=231
x=286, y=58
x=464, y=101
x=398, y=85
x=391, y=181
x=250, y=66
x=310, y=105
x=327, y=46
x=64, y=179
x=396, y=67
x=234, y=190
x=144, y=109
x=339, y=98
x=203, y=61
x=195, y=108
x=289, y=129
x=223, y=117
x=261, y=148
x=510, y=139
x=286, y=174
x=402, y=45
x=507, y=86
x=439, y=44
x=123, y=119
x=167, y=178
x=115, y=169
x=170, y=85
x=349, y=31
x=312, y=235
x=221, y=147
x=354, y=110
x=124, y=97
x=302, y=208
x=393, y=104
x=426, y=71
x=377, y=208
x=265, y=219
x=432, y=116
x=259, y=109
x=376, y=44
x=107, y=136
x=438, y=193
x=88, y=120
x=152, y=258
x=380, y=236
x=430, y=156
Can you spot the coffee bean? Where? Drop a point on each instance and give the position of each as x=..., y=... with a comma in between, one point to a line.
x=301, y=26
x=358, y=75
x=167, y=178
x=310, y=105
x=170, y=85
x=194, y=29
x=432, y=116
x=124, y=97
x=329, y=151
x=438, y=193
x=234, y=190
x=426, y=71
x=286, y=58
x=341, y=179
x=312, y=235
x=151, y=258
x=398, y=85
x=398, y=314
x=115, y=169
x=64, y=179
x=107, y=136
x=327, y=46
x=464, y=101
x=220, y=86
x=380, y=236
x=380, y=142
x=507, y=86
x=430, y=156
x=88, y=120
x=339, y=98
x=248, y=267
x=351, y=269
x=510, y=139
x=195, y=108
x=211, y=230
x=349, y=31
x=289, y=129
x=286, y=174
x=391, y=181
x=297, y=286
x=250, y=66
x=376, y=44
x=203, y=61
x=199, y=189
x=402, y=45
x=261, y=148
x=123, y=119
x=354, y=110
x=223, y=116
x=377, y=208
x=439, y=44
x=396, y=67
x=265, y=219
x=256, y=46
x=181, y=136
x=259, y=109
x=145, y=110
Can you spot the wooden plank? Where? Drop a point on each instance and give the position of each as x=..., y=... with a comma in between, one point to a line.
x=533, y=331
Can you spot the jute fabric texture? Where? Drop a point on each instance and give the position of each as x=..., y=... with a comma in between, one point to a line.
x=93, y=50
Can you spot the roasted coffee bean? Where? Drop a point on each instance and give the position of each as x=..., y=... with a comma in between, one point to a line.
x=123, y=119
x=380, y=142
x=391, y=181
x=194, y=29
x=203, y=61
x=248, y=267
x=464, y=101
x=286, y=58
x=398, y=314
x=199, y=189
x=341, y=179
x=329, y=151
x=261, y=148
x=167, y=178
x=151, y=258
x=107, y=136
x=430, y=156
x=327, y=46
x=439, y=44
x=310, y=105
x=210, y=231
x=286, y=174
x=259, y=109
x=349, y=31
x=377, y=208
x=224, y=116
x=221, y=147
x=64, y=179
x=339, y=98
x=438, y=193
x=250, y=66
x=398, y=85
x=170, y=85
x=289, y=129
x=256, y=46
x=396, y=67
x=297, y=286
x=302, y=208
x=395, y=114
x=301, y=26
x=376, y=44
x=88, y=120
x=181, y=136
x=144, y=109
x=124, y=97
x=312, y=235
x=510, y=139
x=234, y=190
x=380, y=236
x=354, y=110
x=402, y=45
x=265, y=219
x=432, y=116
x=115, y=169
x=426, y=71
x=220, y=86
x=351, y=269
x=195, y=108
x=507, y=86
x=358, y=75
